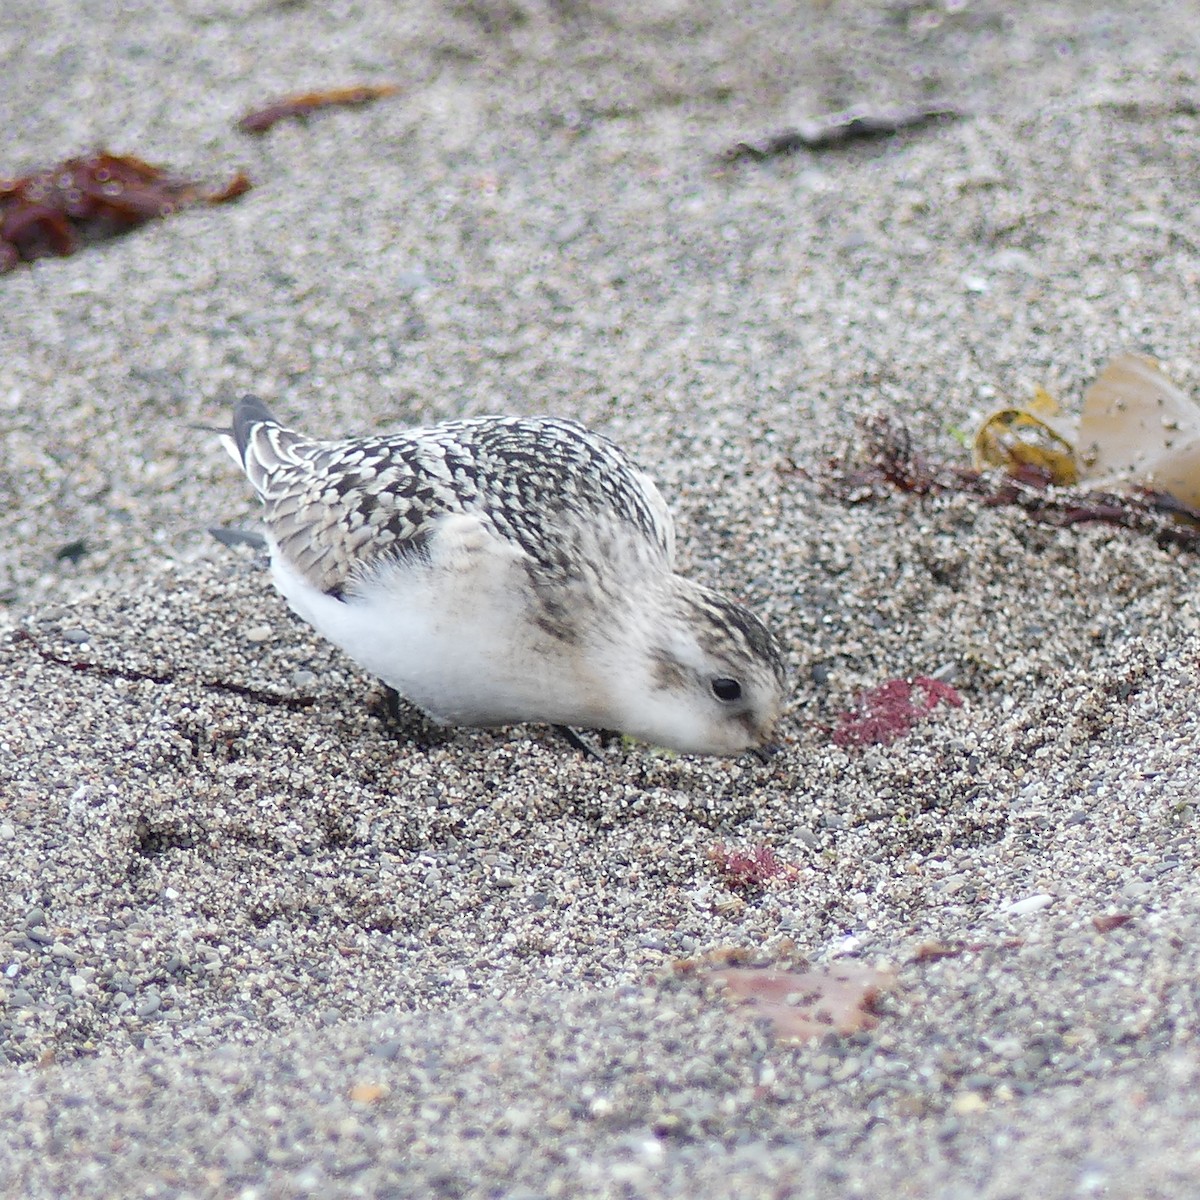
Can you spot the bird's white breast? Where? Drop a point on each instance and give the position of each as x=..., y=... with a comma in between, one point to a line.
x=453, y=635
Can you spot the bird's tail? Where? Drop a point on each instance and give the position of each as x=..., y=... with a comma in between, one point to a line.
x=259, y=444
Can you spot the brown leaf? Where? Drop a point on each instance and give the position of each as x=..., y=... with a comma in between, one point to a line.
x=802, y=1005
x=1104, y=922
x=1137, y=428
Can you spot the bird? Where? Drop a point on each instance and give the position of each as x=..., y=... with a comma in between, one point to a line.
x=499, y=570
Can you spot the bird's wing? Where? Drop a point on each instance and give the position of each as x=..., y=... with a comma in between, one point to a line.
x=336, y=508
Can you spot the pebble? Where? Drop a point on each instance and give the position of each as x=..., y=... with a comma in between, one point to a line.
x=1030, y=904
x=150, y=1004
x=259, y=633
x=968, y=1103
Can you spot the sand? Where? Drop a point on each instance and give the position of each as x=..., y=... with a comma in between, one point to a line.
x=256, y=941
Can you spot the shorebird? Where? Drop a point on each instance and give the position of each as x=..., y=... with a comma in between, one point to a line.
x=498, y=570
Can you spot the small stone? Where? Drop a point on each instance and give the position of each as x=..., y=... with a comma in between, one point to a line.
x=236, y=1152
x=1012, y=259
x=7, y=832
x=72, y=551
x=966, y=1104
x=258, y=633
x=77, y=637
x=846, y=1069
x=412, y=280
x=303, y=679
x=388, y=1050
x=149, y=1005
x=1031, y=904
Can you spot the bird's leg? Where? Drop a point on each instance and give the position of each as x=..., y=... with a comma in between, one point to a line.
x=577, y=742
x=391, y=703
x=764, y=754
x=408, y=723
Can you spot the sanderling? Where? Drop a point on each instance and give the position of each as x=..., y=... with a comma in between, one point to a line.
x=505, y=569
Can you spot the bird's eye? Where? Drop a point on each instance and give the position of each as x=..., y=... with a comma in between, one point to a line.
x=727, y=689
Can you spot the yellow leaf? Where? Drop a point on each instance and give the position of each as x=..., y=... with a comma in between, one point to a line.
x=1137, y=427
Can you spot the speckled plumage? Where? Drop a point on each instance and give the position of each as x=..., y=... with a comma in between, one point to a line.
x=504, y=569
x=538, y=482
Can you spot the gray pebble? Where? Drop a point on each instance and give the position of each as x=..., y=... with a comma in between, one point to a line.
x=150, y=1004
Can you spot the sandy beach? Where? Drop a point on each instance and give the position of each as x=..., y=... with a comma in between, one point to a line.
x=257, y=941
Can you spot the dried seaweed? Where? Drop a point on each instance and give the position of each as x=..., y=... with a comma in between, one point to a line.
x=888, y=460
x=1138, y=427
x=81, y=200
x=836, y=129
x=305, y=104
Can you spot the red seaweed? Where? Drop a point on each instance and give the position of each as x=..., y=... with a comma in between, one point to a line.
x=749, y=870
x=53, y=212
x=888, y=712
